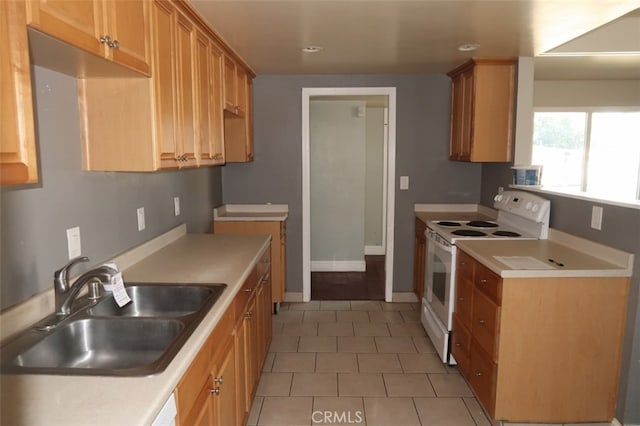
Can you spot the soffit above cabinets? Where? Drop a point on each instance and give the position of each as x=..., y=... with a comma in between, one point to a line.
x=421, y=36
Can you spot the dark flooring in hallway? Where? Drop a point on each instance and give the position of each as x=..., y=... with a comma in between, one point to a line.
x=368, y=285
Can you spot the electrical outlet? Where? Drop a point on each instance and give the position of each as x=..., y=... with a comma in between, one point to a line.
x=141, y=224
x=74, y=248
x=596, y=217
x=176, y=206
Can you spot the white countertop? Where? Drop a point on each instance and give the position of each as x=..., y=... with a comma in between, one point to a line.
x=81, y=400
x=565, y=261
x=251, y=212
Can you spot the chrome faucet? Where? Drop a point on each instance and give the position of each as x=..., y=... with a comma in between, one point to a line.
x=65, y=293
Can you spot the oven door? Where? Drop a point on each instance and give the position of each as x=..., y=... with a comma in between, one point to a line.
x=439, y=276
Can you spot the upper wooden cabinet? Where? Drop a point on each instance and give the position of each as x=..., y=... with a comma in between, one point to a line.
x=18, y=163
x=115, y=30
x=482, y=104
x=238, y=127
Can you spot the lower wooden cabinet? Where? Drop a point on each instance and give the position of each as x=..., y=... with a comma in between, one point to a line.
x=278, y=232
x=219, y=386
x=539, y=350
x=419, y=258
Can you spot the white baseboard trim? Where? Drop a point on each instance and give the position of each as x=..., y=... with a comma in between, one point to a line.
x=374, y=250
x=338, y=266
x=293, y=296
x=406, y=296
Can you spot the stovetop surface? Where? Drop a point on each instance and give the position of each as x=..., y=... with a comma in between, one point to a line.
x=452, y=230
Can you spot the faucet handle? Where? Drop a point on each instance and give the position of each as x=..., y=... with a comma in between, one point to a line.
x=60, y=276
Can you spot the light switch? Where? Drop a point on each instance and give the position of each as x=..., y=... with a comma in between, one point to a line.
x=74, y=247
x=141, y=224
x=404, y=183
x=176, y=206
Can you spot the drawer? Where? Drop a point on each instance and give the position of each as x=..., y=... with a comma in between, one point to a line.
x=483, y=377
x=245, y=292
x=460, y=345
x=464, y=265
x=489, y=283
x=463, y=301
x=485, y=323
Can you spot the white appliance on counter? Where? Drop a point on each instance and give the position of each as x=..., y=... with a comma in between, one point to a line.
x=520, y=215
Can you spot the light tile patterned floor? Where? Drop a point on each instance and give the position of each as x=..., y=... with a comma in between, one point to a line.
x=358, y=363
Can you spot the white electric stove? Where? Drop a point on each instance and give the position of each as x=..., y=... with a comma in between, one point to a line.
x=520, y=215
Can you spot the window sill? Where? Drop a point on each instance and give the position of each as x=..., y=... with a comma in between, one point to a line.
x=578, y=196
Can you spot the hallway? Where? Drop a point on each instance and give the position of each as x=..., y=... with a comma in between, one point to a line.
x=368, y=285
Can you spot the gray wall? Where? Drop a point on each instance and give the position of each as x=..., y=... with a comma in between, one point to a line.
x=34, y=218
x=374, y=176
x=422, y=148
x=337, y=172
x=620, y=229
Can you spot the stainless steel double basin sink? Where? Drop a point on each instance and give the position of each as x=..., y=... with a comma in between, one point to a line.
x=138, y=339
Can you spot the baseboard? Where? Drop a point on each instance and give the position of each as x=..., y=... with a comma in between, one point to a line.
x=405, y=296
x=293, y=296
x=338, y=266
x=374, y=250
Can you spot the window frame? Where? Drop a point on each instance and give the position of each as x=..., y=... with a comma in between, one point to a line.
x=583, y=194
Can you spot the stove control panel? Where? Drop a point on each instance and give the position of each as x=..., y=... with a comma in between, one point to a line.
x=523, y=204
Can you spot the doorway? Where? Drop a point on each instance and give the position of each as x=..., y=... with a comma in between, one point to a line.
x=356, y=99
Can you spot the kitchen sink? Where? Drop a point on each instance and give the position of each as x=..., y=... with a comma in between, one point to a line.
x=102, y=339
x=158, y=300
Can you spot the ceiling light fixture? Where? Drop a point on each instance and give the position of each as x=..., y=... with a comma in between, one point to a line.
x=311, y=49
x=468, y=47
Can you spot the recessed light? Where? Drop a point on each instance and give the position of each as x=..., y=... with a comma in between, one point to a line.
x=311, y=49
x=468, y=47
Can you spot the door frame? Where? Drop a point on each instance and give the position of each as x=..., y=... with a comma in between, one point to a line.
x=307, y=93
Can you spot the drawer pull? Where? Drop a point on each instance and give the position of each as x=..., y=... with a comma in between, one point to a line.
x=461, y=299
x=481, y=321
x=483, y=281
x=477, y=373
x=218, y=379
x=248, y=290
x=215, y=391
x=458, y=345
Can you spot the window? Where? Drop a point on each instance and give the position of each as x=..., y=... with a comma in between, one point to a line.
x=592, y=152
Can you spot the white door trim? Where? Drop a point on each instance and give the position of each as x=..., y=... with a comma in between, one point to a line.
x=307, y=93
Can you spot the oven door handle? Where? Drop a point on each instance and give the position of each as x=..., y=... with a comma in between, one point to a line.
x=437, y=241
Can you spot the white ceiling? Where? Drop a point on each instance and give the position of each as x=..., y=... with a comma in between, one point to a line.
x=417, y=36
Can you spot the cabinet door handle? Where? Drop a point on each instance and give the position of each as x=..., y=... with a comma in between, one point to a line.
x=461, y=299
x=106, y=40
x=483, y=281
x=215, y=391
x=458, y=345
x=218, y=379
x=481, y=321
x=477, y=373
x=248, y=290
x=115, y=44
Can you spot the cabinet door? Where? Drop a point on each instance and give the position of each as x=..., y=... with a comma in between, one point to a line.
x=163, y=21
x=203, y=99
x=230, y=85
x=128, y=23
x=18, y=162
x=419, y=258
x=251, y=353
x=241, y=91
x=224, y=394
x=217, y=103
x=186, y=135
x=466, y=121
x=76, y=22
x=240, y=342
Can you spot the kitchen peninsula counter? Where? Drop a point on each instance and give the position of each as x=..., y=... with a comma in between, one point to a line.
x=513, y=258
x=80, y=400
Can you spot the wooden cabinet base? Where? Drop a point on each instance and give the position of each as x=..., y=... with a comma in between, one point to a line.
x=541, y=350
